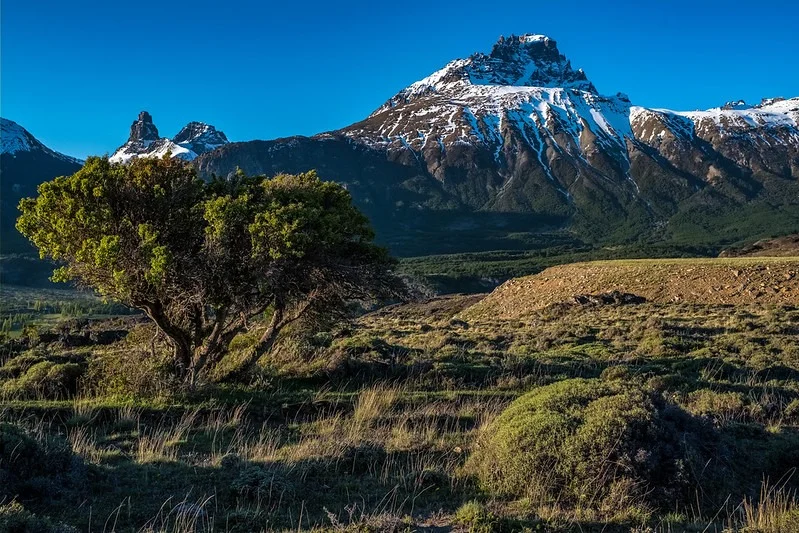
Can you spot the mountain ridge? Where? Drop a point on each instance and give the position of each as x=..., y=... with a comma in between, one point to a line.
x=520, y=132
x=15, y=138
x=25, y=162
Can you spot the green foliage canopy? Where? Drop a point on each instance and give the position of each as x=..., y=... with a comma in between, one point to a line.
x=202, y=258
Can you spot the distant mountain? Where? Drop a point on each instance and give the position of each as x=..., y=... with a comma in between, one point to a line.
x=517, y=149
x=24, y=163
x=194, y=139
x=518, y=142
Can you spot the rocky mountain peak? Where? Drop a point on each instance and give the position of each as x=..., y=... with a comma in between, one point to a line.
x=193, y=139
x=200, y=137
x=529, y=60
x=515, y=63
x=14, y=138
x=143, y=129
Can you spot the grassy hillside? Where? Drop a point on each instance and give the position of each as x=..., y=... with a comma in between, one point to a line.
x=740, y=280
x=482, y=271
x=441, y=415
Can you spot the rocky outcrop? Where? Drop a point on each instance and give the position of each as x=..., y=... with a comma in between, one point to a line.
x=143, y=129
x=144, y=141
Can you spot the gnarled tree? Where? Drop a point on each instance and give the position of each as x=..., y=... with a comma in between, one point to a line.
x=202, y=260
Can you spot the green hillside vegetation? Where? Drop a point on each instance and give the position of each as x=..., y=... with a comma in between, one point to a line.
x=584, y=414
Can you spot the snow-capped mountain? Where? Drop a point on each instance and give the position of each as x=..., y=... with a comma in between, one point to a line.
x=519, y=140
x=523, y=95
x=24, y=163
x=14, y=139
x=144, y=141
x=735, y=141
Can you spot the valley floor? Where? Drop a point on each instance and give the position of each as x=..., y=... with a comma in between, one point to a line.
x=381, y=425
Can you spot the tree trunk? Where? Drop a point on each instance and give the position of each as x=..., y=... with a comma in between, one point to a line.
x=181, y=344
x=209, y=352
x=263, y=345
x=182, y=358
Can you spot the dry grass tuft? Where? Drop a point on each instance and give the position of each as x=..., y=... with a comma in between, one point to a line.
x=162, y=442
x=776, y=511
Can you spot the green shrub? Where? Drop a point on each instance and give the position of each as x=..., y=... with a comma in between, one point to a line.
x=475, y=518
x=616, y=372
x=45, y=379
x=20, y=364
x=14, y=518
x=609, y=444
x=722, y=406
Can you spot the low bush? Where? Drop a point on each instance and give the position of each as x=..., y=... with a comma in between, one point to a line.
x=475, y=518
x=721, y=406
x=45, y=380
x=585, y=442
x=20, y=364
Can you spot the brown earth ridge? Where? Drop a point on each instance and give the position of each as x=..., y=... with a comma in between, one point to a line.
x=733, y=281
x=786, y=246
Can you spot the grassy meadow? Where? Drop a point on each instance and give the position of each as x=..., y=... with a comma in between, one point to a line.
x=449, y=414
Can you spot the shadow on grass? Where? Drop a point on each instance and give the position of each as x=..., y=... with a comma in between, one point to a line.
x=363, y=483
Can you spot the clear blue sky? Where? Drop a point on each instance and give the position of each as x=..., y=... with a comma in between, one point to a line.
x=77, y=73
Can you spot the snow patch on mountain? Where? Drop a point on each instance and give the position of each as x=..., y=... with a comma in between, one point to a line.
x=14, y=139
x=157, y=148
x=525, y=82
x=771, y=113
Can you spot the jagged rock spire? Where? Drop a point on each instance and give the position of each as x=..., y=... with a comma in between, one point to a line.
x=143, y=129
